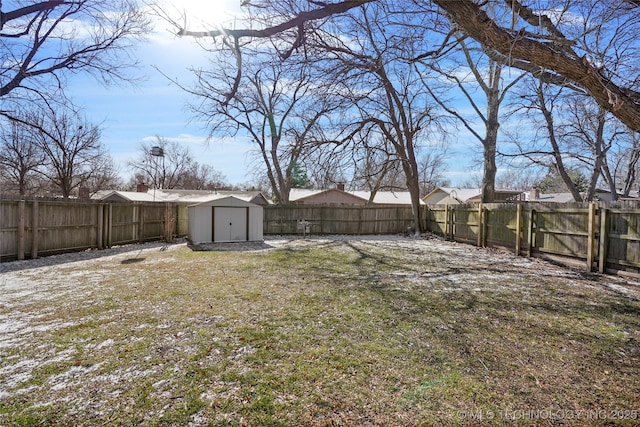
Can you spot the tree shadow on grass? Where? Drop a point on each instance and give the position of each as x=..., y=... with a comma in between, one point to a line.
x=132, y=260
x=230, y=246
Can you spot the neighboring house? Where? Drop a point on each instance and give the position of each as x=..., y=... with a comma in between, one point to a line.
x=338, y=196
x=450, y=196
x=502, y=196
x=144, y=194
x=457, y=196
x=535, y=196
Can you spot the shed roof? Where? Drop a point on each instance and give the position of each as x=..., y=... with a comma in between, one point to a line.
x=178, y=196
x=222, y=200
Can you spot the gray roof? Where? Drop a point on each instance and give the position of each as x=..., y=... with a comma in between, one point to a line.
x=381, y=197
x=177, y=196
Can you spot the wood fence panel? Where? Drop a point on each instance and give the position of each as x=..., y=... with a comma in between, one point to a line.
x=124, y=222
x=8, y=229
x=568, y=232
x=325, y=219
x=284, y=219
x=563, y=232
x=182, y=220
x=152, y=219
x=369, y=221
x=467, y=224
x=66, y=227
x=501, y=226
x=436, y=219
x=623, y=248
x=39, y=227
x=335, y=221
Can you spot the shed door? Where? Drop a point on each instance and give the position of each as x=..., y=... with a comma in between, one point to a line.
x=229, y=224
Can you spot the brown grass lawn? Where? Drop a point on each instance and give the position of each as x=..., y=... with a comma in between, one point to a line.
x=367, y=332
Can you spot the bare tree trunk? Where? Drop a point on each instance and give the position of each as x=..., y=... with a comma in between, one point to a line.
x=630, y=178
x=557, y=155
x=490, y=144
x=413, y=186
x=606, y=172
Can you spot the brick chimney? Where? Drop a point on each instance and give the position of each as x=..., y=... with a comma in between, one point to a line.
x=340, y=186
x=84, y=193
x=534, y=194
x=142, y=188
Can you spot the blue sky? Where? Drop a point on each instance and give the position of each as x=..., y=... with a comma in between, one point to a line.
x=130, y=115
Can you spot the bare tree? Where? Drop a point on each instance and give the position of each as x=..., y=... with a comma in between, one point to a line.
x=549, y=43
x=204, y=177
x=374, y=57
x=166, y=166
x=545, y=148
x=521, y=178
x=376, y=168
x=432, y=167
x=71, y=145
x=590, y=134
x=281, y=107
x=578, y=135
x=105, y=177
x=327, y=168
x=44, y=42
x=626, y=161
x=487, y=74
x=561, y=43
x=20, y=158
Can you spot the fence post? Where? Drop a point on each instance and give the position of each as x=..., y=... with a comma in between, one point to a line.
x=485, y=227
x=109, y=222
x=168, y=223
x=530, y=232
x=426, y=214
x=480, y=227
x=100, y=226
x=446, y=222
x=34, y=230
x=140, y=229
x=21, y=208
x=591, y=238
x=518, y=228
x=452, y=224
x=604, y=240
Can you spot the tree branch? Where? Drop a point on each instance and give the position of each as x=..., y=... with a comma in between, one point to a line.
x=28, y=10
x=296, y=21
x=472, y=20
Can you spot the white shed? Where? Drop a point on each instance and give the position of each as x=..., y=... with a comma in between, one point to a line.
x=225, y=219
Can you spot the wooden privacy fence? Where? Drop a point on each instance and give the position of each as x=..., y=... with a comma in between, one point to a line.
x=29, y=229
x=596, y=236
x=326, y=219
x=602, y=237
